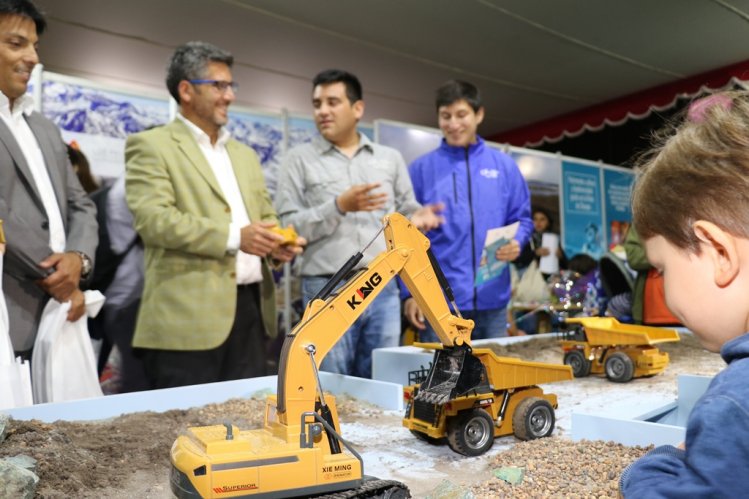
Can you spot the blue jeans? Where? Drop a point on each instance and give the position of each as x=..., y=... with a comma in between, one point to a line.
x=379, y=326
x=487, y=324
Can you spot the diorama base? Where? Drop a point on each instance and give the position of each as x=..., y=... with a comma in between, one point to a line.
x=642, y=425
x=386, y=395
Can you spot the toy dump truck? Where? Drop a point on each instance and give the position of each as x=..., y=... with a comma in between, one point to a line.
x=602, y=345
x=506, y=401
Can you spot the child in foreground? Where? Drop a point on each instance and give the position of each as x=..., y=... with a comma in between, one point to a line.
x=691, y=208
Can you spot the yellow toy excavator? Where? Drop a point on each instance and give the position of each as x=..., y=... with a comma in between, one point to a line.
x=299, y=451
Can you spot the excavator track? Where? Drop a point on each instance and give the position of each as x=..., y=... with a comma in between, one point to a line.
x=373, y=488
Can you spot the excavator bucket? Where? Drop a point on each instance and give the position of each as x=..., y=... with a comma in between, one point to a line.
x=455, y=371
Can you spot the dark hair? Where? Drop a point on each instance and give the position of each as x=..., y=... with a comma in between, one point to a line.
x=454, y=90
x=582, y=263
x=26, y=9
x=190, y=62
x=545, y=213
x=82, y=169
x=353, y=87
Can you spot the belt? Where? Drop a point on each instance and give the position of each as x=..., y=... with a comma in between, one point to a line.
x=247, y=286
x=320, y=276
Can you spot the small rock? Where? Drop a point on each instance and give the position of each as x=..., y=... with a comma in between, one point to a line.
x=16, y=482
x=510, y=474
x=4, y=420
x=448, y=490
x=23, y=461
x=262, y=394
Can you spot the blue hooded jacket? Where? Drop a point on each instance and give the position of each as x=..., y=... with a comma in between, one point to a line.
x=716, y=458
x=481, y=188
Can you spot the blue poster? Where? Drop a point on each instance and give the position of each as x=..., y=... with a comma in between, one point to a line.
x=264, y=133
x=543, y=174
x=301, y=130
x=367, y=130
x=412, y=141
x=582, y=210
x=617, y=187
x=100, y=120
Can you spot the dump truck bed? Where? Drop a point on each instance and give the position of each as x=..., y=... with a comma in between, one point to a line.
x=609, y=331
x=507, y=372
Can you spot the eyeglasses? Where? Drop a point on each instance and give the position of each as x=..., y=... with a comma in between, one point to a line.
x=220, y=85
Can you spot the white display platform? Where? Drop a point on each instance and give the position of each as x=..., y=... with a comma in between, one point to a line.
x=658, y=425
x=389, y=396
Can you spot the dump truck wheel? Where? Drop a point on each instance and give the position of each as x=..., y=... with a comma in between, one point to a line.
x=533, y=418
x=580, y=365
x=426, y=438
x=471, y=433
x=619, y=367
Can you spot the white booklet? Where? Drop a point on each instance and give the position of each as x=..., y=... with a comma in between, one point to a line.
x=549, y=264
x=489, y=267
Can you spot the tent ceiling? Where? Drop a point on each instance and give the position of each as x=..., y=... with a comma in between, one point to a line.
x=533, y=60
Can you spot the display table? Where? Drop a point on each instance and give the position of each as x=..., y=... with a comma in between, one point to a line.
x=381, y=393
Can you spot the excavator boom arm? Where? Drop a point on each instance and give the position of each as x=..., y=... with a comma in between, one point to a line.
x=325, y=322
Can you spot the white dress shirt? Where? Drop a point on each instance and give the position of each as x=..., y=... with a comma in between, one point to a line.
x=34, y=158
x=248, y=266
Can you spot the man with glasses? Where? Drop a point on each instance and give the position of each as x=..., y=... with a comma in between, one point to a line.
x=201, y=207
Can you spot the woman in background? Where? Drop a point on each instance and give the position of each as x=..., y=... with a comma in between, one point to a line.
x=542, y=223
x=81, y=168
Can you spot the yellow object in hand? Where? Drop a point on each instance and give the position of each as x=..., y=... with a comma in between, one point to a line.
x=289, y=234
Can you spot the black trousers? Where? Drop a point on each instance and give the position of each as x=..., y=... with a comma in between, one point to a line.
x=241, y=356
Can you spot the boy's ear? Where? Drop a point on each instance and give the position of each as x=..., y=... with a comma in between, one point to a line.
x=721, y=249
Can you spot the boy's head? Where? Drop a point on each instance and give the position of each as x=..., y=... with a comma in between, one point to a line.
x=459, y=112
x=691, y=209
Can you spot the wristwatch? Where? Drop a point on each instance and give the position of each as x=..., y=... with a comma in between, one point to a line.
x=86, y=265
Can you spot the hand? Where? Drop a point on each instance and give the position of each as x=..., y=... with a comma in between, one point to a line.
x=542, y=251
x=427, y=217
x=513, y=330
x=257, y=239
x=67, y=274
x=287, y=252
x=508, y=252
x=361, y=198
x=414, y=315
x=77, y=305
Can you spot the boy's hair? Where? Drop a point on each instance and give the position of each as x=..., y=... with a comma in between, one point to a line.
x=24, y=8
x=351, y=82
x=454, y=90
x=190, y=62
x=698, y=171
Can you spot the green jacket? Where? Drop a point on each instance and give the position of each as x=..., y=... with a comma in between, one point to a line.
x=637, y=261
x=189, y=299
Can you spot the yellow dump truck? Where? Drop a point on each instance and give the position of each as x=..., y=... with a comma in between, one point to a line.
x=602, y=345
x=506, y=401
